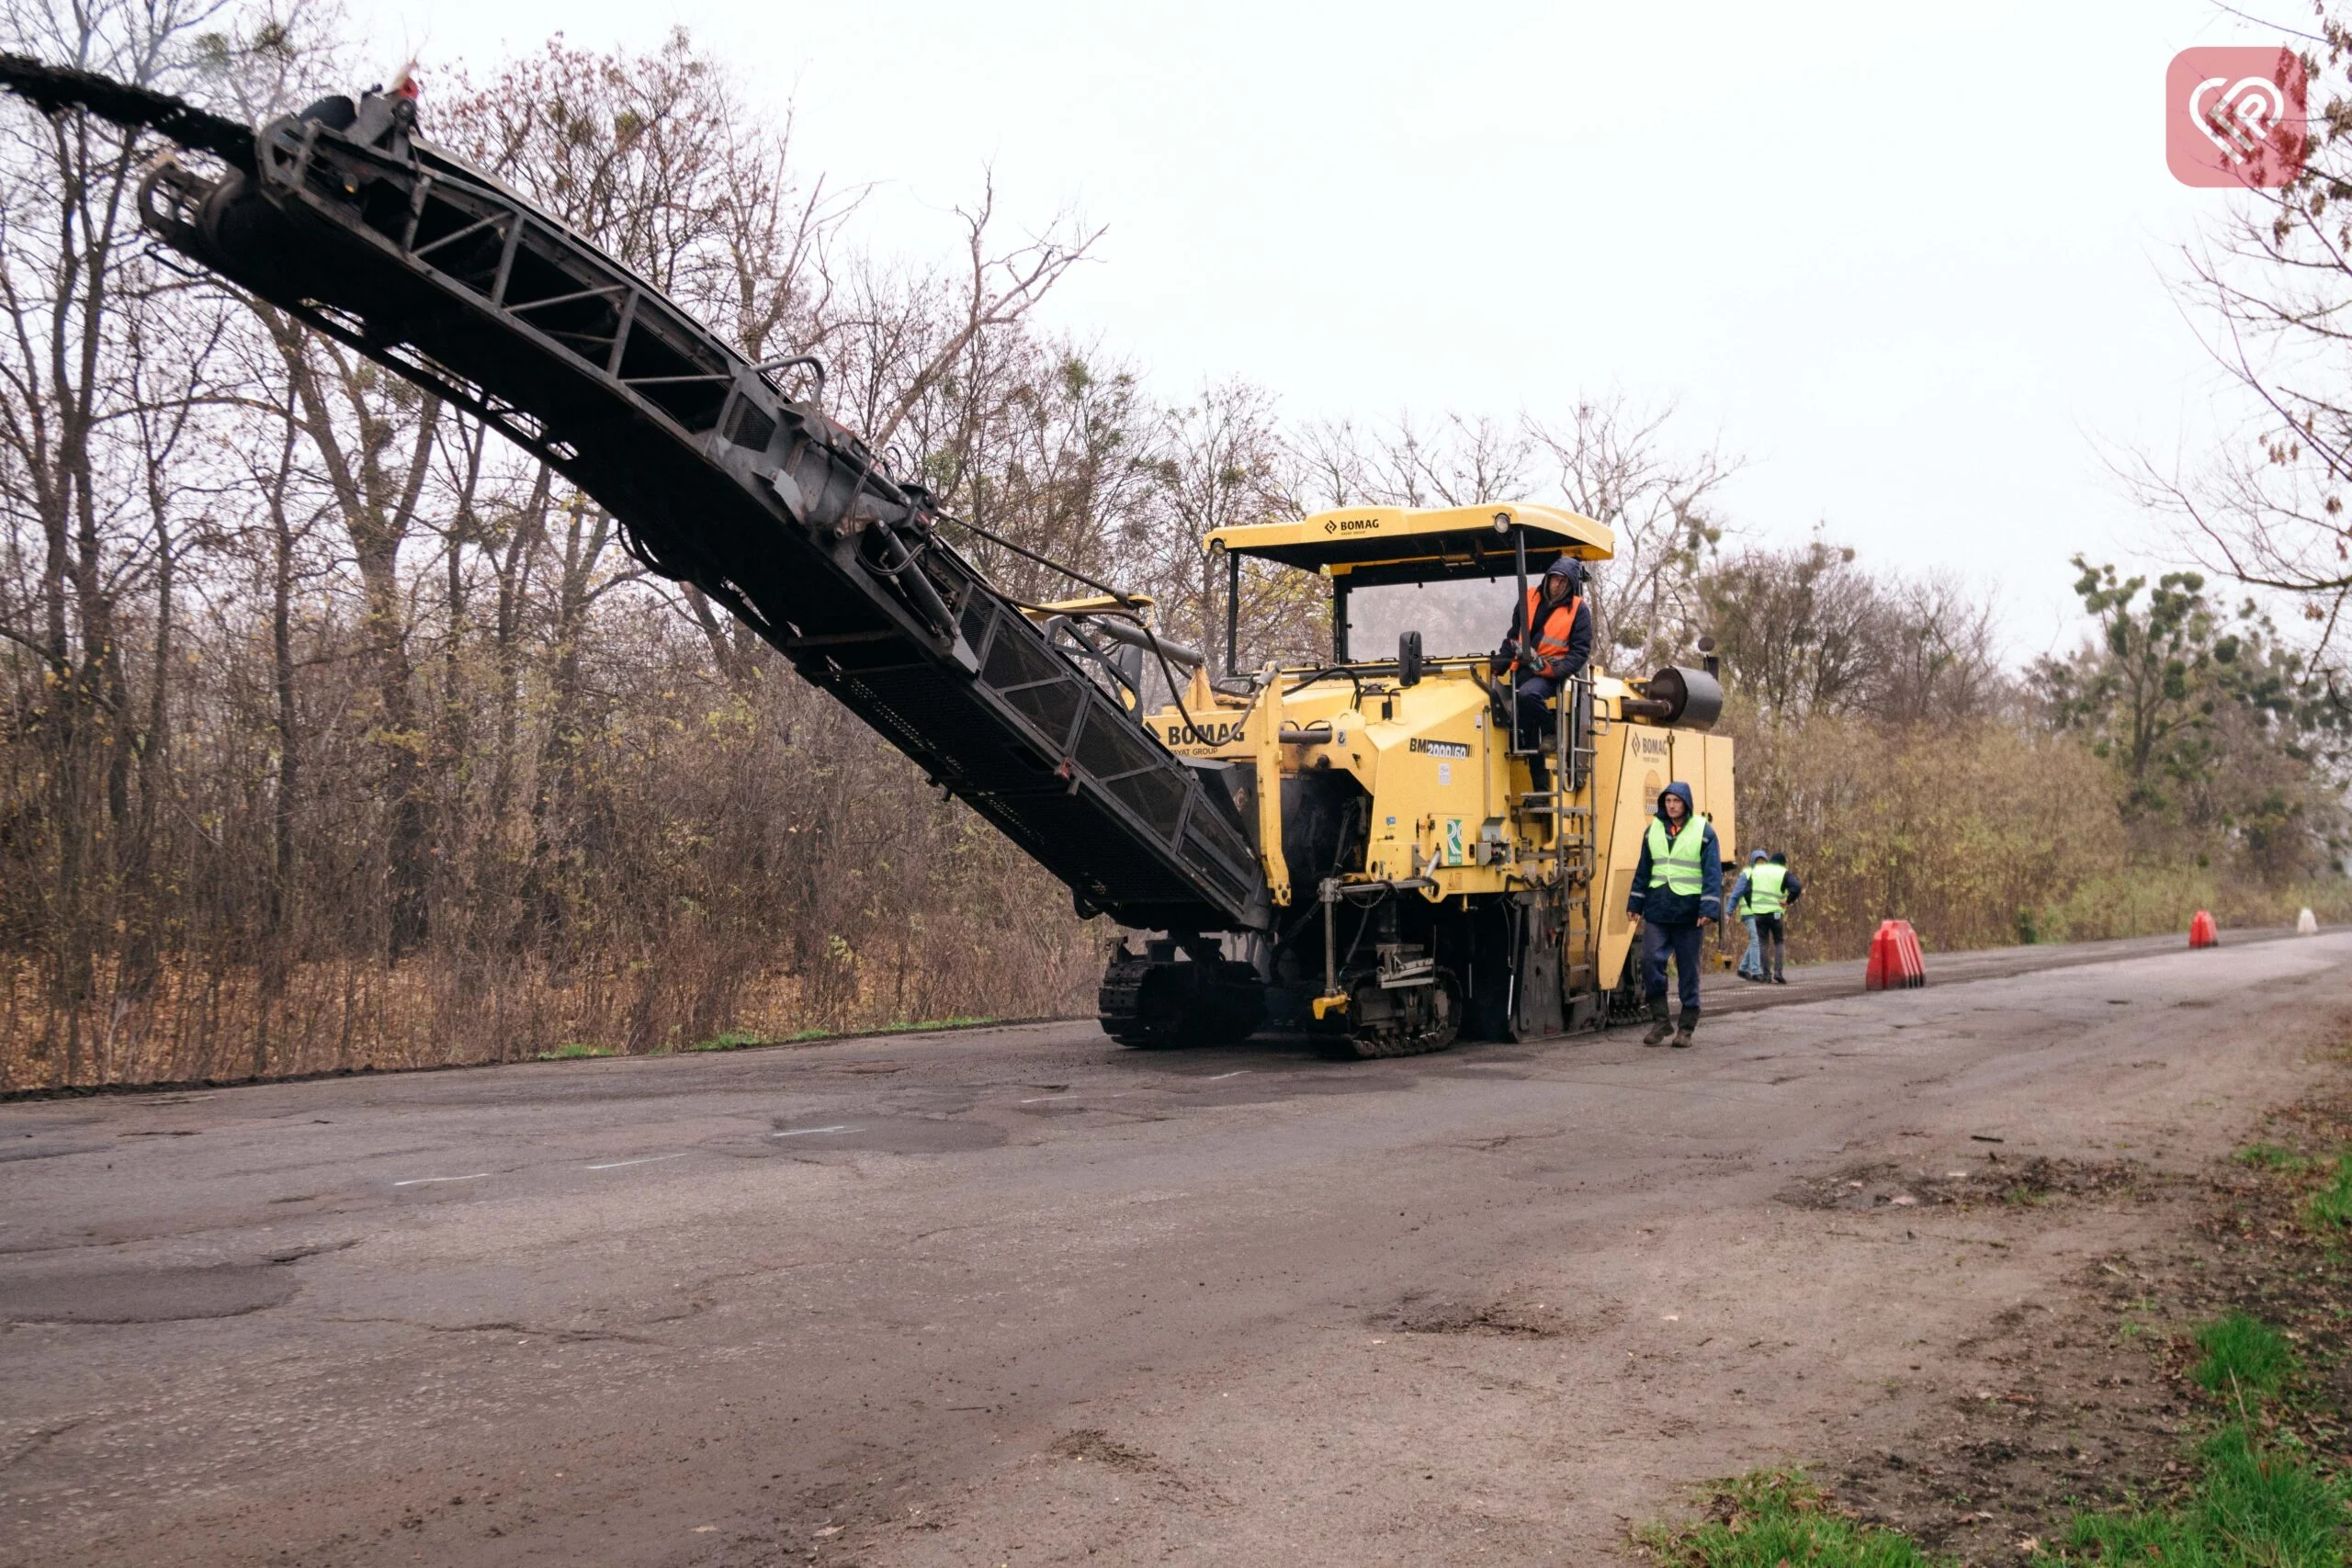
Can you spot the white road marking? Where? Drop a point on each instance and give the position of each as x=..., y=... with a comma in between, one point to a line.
x=805, y=1132
x=422, y=1180
x=1235, y=1074
x=649, y=1159
x=1042, y=1098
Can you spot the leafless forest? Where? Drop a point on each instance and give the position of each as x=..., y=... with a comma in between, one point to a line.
x=337, y=734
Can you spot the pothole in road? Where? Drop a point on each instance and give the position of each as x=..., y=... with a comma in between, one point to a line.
x=147, y=1295
x=1093, y=1444
x=1447, y=1314
x=2031, y=1181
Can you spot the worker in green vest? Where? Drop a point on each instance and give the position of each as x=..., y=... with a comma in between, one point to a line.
x=1678, y=888
x=1772, y=888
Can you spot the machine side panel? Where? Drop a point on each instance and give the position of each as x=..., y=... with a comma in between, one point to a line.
x=1644, y=759
x=1723, y=803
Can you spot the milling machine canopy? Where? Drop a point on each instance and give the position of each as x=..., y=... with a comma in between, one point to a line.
x=1367, y=547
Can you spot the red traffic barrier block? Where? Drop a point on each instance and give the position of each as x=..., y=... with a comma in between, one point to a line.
x=1896, y=960
x=2202, y=931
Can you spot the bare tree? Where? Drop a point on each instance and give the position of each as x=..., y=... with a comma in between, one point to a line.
x=1462, y=460
x=2273, y=284
x=1620, y=464
x=1808, y=631
x=84, y=440
x=1220, y=461
x=997, y=289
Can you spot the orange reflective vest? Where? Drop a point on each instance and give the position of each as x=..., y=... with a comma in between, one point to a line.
x=1552, y=642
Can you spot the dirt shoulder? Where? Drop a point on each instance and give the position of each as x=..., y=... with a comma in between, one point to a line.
x=2085, y=1401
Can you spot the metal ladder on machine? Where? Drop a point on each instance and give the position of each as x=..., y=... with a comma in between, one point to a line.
x=1577, y=847
x=1574, y=841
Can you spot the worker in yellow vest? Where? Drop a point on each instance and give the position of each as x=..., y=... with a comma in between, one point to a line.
x=1772, y=888
x=1678, y=889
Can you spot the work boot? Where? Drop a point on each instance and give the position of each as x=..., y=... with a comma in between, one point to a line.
x=1661, y=1024
x=1684, y=1030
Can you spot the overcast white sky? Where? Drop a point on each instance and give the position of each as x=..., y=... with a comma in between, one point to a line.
x=1910, y=261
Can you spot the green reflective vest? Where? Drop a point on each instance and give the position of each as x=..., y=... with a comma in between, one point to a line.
x=1768, y=889
x=1675, y=862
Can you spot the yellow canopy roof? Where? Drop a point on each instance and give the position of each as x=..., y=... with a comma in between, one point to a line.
x=1375, y=545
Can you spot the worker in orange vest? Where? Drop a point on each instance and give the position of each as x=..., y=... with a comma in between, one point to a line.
x=1543, y=662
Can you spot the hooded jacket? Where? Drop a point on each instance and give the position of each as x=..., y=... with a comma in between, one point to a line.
x=1663, y=906
x=1579, y=637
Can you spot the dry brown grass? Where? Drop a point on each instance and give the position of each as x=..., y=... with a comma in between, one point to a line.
x=203, y=1023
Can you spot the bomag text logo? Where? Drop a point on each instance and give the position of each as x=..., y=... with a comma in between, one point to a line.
x=1352, y=526
x=1437, y=748
x=1203, y=734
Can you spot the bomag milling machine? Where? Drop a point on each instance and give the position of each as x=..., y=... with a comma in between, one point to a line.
x=1351, y=848
x=1421, y=885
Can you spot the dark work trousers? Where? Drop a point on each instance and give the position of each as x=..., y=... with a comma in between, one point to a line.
x=1683, y=941
x=1532, y=690
x=1775, y=938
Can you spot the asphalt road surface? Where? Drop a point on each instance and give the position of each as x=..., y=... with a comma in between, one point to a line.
x=1018, y=1296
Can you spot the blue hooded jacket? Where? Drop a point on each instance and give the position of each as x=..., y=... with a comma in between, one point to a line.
x=1664, y=906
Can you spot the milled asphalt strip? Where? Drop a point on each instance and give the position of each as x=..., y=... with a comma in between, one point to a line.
x=1841, y=979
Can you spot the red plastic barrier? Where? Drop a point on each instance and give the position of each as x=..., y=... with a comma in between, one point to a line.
x=2202, y=932
x=1896, y=962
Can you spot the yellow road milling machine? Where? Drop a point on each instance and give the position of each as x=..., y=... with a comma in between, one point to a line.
x=1351, y=847
x=1426, y=879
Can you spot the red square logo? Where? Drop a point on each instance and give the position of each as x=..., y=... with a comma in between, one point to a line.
x=2235, y=116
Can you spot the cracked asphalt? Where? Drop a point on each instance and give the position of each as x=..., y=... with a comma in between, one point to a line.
x=1016, y=1295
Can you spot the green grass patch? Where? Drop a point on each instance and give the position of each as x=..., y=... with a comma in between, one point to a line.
x=2330, y=1208
x=1776, y=1518
x=2257, y=1505
x=2271, y=1157
x=571, y=1053
x=2243, y=1356
x=732, y=1040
